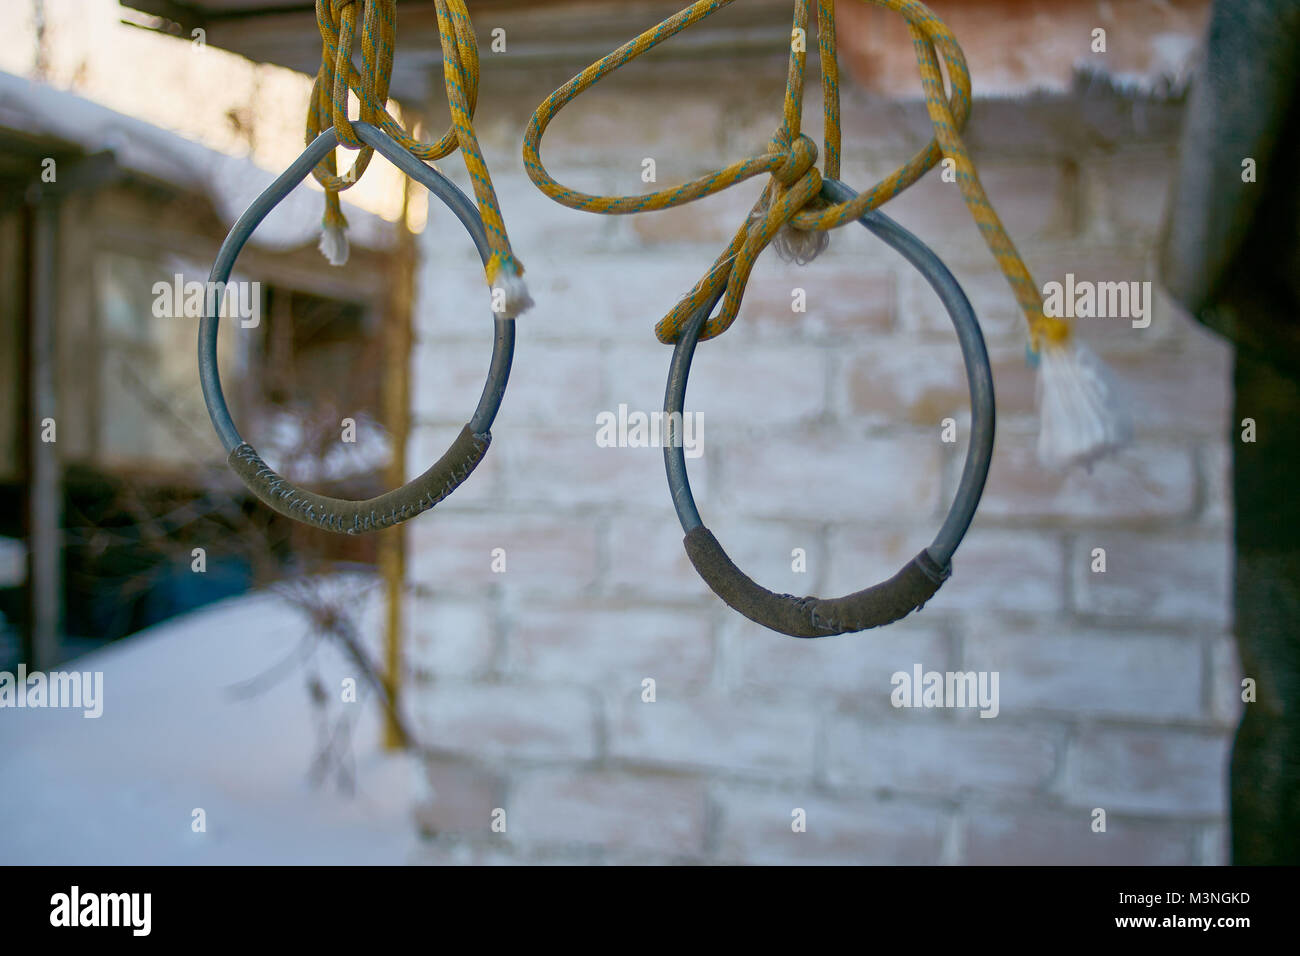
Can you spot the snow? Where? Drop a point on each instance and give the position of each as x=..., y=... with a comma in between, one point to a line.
x=121, y=789
x=232, y=183
x=287, y=447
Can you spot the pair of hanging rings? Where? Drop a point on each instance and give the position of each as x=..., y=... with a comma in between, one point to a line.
x=881, y=604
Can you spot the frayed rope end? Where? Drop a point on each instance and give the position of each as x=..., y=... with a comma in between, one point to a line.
x=800, y=246
x=510, y=296
x=1082, y=415
x=334, y=244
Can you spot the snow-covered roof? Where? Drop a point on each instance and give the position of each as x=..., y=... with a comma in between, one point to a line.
x=122, y=788
x=231, y=182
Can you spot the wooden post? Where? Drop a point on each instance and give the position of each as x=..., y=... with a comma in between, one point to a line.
x=45, y=492
x=397, y=399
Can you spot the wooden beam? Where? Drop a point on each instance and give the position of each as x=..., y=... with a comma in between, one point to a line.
x=568, y=32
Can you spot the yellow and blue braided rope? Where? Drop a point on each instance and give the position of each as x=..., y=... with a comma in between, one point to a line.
x=337, y=20
x=793, y=195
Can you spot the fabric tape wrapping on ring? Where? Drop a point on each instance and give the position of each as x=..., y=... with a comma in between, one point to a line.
x=920, y=579
x=875, y=606
x=373, y=514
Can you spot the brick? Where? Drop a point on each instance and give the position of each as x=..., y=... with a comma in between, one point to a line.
x=712, y=220
x=614, y=293
x=1169, y=321
x=764, y=386
x=855, y=666
x=901, y=383
x=738, y=386
x=552, y=469
x=662, y=814
x=553, y=554
x=875, y=48
x=1162, y=771
x=715, y=733
x=541, y=230
x=1128, y=189
x=447, y=637
x=447, y=379
x=453, y=298
x=646, y=556
x=912, y=750
x=834, y=475
x=1044, y=126
x=1166, y=392
x=1226, y=705
x=993, y=569
x=1188, y=391
x=512, y=721
x=748, y=120
x=1021, y=571
x=842, y=296
x=755, y=827
x=456, y=797
x=554, y=384
x=640, y=112
x=637, y=373
x=1216, y=848
x=1091, y=262
x=557, y=384
x=1033, y=837
x=1164, y=578
x=1185, y=389
x=1032, y=199
x=1015, y=384
x=598, y=582
x=873, y=125
x=1110, y=262
x=1049, y=668
x=1216, y=471
x=1146, y=480
x=860, y=555
x=611, y=647
x=920, y=311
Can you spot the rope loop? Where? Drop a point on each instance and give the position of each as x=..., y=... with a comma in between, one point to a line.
x=328, y=107
x=790, y=205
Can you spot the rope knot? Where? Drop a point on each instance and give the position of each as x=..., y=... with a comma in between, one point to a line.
x=336, y=8
x=801, y=156
x=795, y=186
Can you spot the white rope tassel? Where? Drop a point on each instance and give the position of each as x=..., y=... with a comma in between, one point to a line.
x=334, y=244
x=800, y=246
x=1082, y=417
x=510, y=297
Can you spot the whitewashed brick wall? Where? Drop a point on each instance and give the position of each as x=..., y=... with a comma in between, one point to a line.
x=821, y=432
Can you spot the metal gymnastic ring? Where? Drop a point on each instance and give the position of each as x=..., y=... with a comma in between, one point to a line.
x=418, y=495
x=921, y=577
